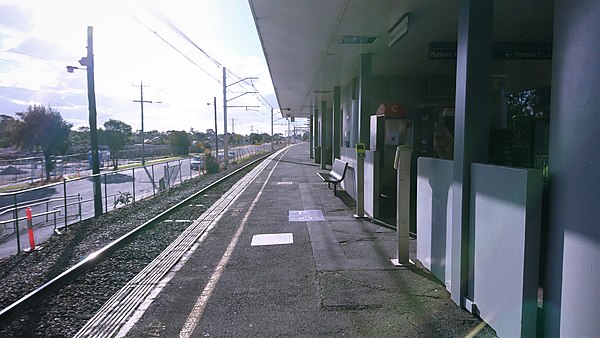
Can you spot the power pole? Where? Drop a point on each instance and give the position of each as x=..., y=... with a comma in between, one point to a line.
x=225, y=145
x=141, y=101
x=232, y=125
x=93, y=125
x=225, y=85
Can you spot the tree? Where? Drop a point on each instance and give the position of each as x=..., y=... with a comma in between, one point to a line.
x=43, y=127
x=523, y=109
x=7, y=130
x=79, y=140
x=179, y=141
x=255, y=138
x=115, y=135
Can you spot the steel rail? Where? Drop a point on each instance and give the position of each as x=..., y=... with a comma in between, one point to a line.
x=20, y=306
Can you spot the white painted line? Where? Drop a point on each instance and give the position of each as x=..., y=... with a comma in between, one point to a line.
x=272, y=239
x=306, y=216
x=194, y=317
x=285, y=183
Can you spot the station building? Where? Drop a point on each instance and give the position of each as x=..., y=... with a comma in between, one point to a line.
x=497, y=102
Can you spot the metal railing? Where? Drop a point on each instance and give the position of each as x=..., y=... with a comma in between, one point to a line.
x=71, y=199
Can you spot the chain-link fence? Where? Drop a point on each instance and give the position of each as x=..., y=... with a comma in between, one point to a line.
x=56, y=205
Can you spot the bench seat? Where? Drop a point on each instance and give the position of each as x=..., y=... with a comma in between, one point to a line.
x=336, y=175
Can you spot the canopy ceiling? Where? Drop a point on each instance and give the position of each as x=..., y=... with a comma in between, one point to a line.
x=306, y=43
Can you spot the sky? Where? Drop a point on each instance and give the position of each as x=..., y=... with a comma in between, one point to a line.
x=175, y=48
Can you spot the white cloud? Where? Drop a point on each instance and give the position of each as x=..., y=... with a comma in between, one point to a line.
x=52, y=35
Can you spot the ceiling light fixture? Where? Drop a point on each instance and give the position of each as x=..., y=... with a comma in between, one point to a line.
x=357, y=40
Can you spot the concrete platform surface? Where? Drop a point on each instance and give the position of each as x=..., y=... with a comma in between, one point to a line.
x=287, y=258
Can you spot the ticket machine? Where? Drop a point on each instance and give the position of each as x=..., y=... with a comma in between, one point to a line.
x=389, y=129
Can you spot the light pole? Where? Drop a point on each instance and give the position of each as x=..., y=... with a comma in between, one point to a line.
x=88, y=62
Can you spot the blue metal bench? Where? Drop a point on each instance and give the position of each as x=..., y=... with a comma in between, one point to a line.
x=336, y=175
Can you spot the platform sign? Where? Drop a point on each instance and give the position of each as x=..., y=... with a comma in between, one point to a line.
x=398, y=30
x=522, y=51
x=360, y=150
x=442, y=51
x=500, y=51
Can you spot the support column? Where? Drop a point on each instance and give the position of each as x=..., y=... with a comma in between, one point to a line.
x=317, y=133
x=311, y=137
x=572, y=290
x=364, y=102
x=471, y=129
x=325, y=135
x=337, y=123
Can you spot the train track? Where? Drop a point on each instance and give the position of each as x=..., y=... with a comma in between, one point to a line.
x=61, y=306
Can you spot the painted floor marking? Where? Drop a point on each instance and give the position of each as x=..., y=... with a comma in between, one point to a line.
x=284, y=183
x=272, y=239
x=306, y=216
x=194, y=317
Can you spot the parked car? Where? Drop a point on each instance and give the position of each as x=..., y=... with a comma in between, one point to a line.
x=231, y=154
x=197, y=163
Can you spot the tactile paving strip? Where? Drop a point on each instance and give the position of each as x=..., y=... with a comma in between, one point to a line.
x=120, y=307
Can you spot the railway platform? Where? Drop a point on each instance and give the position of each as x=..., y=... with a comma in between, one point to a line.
x=282, y=256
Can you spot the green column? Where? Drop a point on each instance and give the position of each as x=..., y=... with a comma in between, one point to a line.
x=337, y=122
x=325, y=135
x=364, y=102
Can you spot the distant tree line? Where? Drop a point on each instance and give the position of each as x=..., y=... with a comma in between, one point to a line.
x=42, y=129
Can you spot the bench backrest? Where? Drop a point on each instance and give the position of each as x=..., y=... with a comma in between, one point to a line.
x=339, y=169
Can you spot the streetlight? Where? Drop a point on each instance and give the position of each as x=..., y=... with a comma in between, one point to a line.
x=88, y=62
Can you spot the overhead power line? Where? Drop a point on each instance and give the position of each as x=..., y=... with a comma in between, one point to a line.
x=170, y=24
x=167, y=42
x=175, y=28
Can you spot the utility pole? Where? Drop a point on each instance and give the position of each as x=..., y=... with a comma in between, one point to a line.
x=89, y=63
x=225, y=85
x=232, y=125
x=141, y=101
x=272, y=129
x=225, y=145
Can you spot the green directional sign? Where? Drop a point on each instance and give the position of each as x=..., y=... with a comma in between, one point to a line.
x=500, y=51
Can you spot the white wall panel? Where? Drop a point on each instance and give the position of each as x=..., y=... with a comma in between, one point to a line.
x=505, y=237
x=434, y=215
